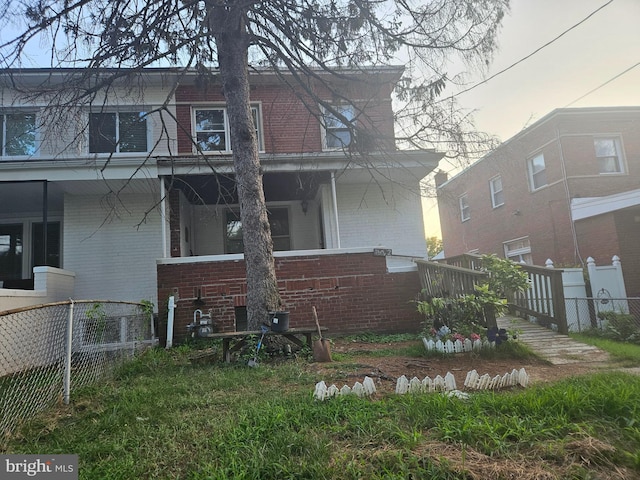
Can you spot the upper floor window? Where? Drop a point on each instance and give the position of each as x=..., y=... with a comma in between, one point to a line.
x=497, y=194
x=537, y=172
x=609, y=154
x=117, y=132
x=212, y=129
x=18, y=134
x=464, y=208
x=337, y=131
x=518, y=250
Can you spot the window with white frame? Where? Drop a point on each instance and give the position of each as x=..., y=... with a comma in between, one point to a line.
x=609, y=154
x=518, y=250
x=464, y=207
x=337, y=132
x=18, y=134
x=118, y=132
x=211, y=129
x=497, y=194
x=537, y=172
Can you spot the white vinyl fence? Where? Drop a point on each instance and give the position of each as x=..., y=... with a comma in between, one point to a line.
x=48, y=350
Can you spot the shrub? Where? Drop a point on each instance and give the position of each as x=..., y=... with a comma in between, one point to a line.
x=505, y=276
x=467, y=313
x=620, y=326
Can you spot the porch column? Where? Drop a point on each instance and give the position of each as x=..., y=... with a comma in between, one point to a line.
x=163, y=215
x=335, y=206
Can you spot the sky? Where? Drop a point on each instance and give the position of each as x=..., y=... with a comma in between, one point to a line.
x=580, y=61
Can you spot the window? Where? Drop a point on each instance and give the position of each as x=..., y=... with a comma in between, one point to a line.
x=497, y=195
x=337, y=132
x=18, y=134
x=212, y=129
x=10, y=252
x=518, y=250
x=464, y=208
x=609, y=155
x=278, y=220
x=537, y=172
x=118, y=132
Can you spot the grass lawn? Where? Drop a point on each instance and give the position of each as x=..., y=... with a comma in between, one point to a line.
x=163, y=417
x=627, y=353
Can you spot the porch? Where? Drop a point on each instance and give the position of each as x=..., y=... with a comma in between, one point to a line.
x=354, y=290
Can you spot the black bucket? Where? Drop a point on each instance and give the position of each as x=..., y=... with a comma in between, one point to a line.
x=279, y=321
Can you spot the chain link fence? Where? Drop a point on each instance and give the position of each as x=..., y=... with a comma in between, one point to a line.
x=604, y=312
x=47, y=350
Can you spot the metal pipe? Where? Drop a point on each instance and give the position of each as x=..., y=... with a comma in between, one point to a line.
x=172, y=306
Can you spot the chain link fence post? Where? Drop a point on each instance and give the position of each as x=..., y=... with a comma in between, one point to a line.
x=68, y=350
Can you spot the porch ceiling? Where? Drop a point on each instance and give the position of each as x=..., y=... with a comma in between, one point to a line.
x=18, y=198
x=26, y=197
x=212, y=189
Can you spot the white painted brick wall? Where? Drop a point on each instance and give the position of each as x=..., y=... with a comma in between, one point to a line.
x=115, y=260
x=391, y=217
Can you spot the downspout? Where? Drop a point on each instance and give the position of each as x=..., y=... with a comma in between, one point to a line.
x=163, y=213
x=335, y=207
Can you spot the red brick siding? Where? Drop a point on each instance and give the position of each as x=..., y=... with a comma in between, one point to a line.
x=352, y=293
x=543, y=215
x=287, y=124
x=628, y=228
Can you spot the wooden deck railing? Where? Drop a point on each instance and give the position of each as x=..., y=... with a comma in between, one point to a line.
x=455, y=276
x=442, y=280
x=544, y=299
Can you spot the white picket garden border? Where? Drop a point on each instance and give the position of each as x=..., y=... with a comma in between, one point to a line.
x=457, y=346
x=446, y=384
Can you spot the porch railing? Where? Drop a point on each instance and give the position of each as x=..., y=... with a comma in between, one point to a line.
x=442, y=280
x=544, y=299
x=458, y=275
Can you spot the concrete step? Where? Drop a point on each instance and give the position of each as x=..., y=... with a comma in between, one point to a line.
x=554, y=347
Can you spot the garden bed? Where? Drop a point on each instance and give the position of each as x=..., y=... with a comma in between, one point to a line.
x=353, y=360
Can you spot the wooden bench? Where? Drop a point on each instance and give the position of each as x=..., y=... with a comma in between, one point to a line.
x=234, y=341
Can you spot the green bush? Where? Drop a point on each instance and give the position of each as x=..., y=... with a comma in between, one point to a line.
x=620, y=326
x=470, y=311
x=466, y=314
x=505, y=276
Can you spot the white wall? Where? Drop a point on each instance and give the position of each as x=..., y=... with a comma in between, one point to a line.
x=64, y=132
x=209, y=223
x=50, y=285
x=388, y=216
x=113, y=256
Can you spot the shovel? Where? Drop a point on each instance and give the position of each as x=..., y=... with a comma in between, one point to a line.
x=254, y=361
x=321, y=350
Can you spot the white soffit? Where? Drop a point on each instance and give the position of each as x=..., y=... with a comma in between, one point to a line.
x=582, y=208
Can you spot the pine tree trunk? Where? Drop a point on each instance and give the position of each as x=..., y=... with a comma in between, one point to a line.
x=262, y=288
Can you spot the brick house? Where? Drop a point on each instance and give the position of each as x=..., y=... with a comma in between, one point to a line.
x=134, y=195
x=566, y=188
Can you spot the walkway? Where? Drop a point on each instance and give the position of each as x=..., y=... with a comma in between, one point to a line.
x=552, y=346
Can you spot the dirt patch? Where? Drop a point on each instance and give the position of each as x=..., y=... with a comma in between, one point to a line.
x=384, y=370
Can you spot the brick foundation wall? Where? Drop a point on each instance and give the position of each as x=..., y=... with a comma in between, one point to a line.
x=353, y=293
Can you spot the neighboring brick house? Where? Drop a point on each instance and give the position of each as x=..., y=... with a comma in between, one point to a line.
x=566, y=188
x=138, y=187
